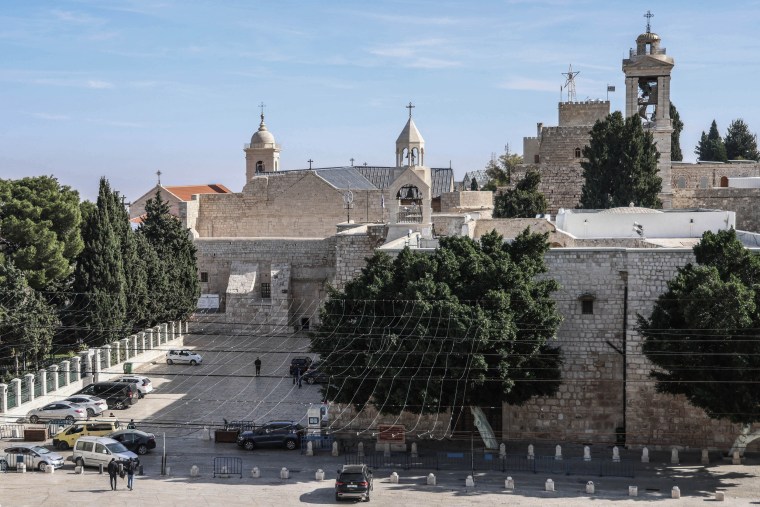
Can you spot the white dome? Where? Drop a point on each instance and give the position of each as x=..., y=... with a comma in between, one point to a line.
x=262, y=138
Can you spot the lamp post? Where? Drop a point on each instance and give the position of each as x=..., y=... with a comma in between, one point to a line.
x=348, y=203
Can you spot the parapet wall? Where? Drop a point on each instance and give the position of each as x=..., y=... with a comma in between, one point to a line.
x=572, y=114
x=743, y=201
x=466, y=200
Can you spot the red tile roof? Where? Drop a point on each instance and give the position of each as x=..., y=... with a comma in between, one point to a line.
x=185, y=192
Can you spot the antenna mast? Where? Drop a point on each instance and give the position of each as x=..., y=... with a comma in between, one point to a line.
x=570, y=83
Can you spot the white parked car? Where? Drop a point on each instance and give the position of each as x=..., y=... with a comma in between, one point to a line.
x=63, y=410
x=93, y=404
x=144, y=385
x=94, y=451
x=183, y=356
x=34, y=456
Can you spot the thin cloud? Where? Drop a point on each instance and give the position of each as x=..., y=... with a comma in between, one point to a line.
x=76, y=18
x=422, y=54
x=99, y=85
x=50, y=116
x=528, y=84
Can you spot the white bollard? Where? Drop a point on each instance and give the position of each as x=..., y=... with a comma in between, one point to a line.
x=310, y=448
x=414, y=450
x=549, y=486
x=531, y=454
x=284, y=473
x=645, y=455
x=674, y=456
x=78, y=469
x=633, y=491
x=320, y=475
x=387, y=450
x=509, y=483
x=720, y=496
x=737, y=459
x=206, y=434
x=255, y=473
x=615, y=454
x=558, y=453
x=502, y=450
x=675, y=492
x=469, y=482
x=586, y=453
x=335, y=451
x=194, y=471
x=431, y=480
x=394, y=478
x=49, y=469
x=705, y=457
x=21, y=468
x=590, y=487
x=360, y=449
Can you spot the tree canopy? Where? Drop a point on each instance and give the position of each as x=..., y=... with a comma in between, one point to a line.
x=468, y=325
x=675, y=138
x=523, y=201
x=500, y=171
x=620, y=165
x=702, y=333
x=740, y=143
x=711, y=146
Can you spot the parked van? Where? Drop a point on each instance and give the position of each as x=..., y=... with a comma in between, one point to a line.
x=94, y=451
x=118, y=395
x=66, y=438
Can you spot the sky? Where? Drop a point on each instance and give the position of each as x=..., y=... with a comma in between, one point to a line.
x=124, y=88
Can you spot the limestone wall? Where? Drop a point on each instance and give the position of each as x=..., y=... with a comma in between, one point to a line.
x=561, y=184
x=558, y=144
x=744, y=201
x=137, y=208
x=352, y=248
x=582, y=113
x=692, y=176
x=466, y=200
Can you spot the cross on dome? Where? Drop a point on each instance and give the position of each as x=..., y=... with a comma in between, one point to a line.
x=649, y=16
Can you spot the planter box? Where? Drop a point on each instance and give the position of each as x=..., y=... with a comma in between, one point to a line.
x=35, y=434
x=226, y=436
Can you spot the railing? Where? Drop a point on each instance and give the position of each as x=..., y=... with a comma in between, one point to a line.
x=73, y=375
x=239, y=425
x=224, y=465
x=26, y=392
x=659, y=51
x=62, y=377
x=411, y=216
x=50, y=379
x=318, y=443
x=37, y=388
x=11, y=430
x=12, y=401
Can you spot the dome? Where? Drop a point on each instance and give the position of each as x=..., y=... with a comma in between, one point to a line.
x=647, y=38
x=262, y=138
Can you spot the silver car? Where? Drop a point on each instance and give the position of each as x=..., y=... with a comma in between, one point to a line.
x=93, y=404
x=34, y=456
x=62, y=410
x=183, y=356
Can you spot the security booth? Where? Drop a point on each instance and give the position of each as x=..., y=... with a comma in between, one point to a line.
x=316, y=433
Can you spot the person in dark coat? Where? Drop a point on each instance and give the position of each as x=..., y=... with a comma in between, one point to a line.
x=257, y=363
x=129, y=467
x=113, y=471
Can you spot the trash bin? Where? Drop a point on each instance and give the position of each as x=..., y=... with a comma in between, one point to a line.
x=127, y=367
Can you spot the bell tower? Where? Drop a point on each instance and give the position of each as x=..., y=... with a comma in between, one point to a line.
x=647, y=94
x=410, y=146
x=262, y=155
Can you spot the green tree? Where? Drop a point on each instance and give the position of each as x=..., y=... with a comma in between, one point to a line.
x=500, y=171
x=469, y=325
x=523, y=201
x=178, y=296
x=740, y=143
x=711, y=146
x=702, y=333
x=620, y=165
x=675, y=138
x=98, y=313
x=27, y=322
x=39, y=220
x=473, y=184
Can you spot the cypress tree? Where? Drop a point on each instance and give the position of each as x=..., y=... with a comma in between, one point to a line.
x=675, y=138
x=740, y=143
x=711, y=146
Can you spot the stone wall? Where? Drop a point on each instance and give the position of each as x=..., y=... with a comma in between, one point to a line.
x=692, y=176
x=558, y=144
x=573, y=114
x=744, y=201
x=509, y=228
x=352, y=248
x=466, y=201
x=561, y=184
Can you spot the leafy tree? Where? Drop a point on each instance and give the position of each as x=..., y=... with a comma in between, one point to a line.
x=620, y=165
x=39, y=220
x=500, y=171
x=702, y=333
x=469, y=325
x=178, y=291
x=740, y=143
x=711, y=146
x=27, y=322
x=675, y=138
x=524, y=201
x=473, y=184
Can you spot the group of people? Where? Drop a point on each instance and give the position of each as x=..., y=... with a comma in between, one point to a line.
x=122, y=468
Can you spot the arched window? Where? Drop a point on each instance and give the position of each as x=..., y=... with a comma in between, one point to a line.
x=577, y=153
x=724, y=181
x=681, y=183
x=415, y=157
x=259, y=166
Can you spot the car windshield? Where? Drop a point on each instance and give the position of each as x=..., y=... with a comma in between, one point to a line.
x=116, y=447
x=351, y=477
x=40, y=450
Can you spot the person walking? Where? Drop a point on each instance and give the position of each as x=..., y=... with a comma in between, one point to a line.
x=130, y=466
x=131, y=425
x=257, y=363
x=299, y=377
x=113, y=470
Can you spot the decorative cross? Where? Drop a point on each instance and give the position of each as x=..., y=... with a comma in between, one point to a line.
x=410, y=107
x=262, y=106
x=158, y=173
x=649, y=16
x=352, y=161
x=310, y=161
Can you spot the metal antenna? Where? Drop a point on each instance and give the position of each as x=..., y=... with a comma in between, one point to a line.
x=570, y=83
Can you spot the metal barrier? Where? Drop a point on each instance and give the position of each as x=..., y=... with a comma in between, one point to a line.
x=239, y=425
x=224, y=465
x=11, y=430
x=318, y=442
x=12, y=401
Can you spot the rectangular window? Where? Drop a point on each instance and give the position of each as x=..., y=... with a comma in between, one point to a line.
x=266, y=290
x=305, y=323
x=204, y=276
x=587, y=307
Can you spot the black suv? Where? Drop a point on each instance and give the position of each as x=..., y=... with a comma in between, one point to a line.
x=299, y=364
x=285, y=434
x=314, y=375
x=354, y=481
x=118, y=395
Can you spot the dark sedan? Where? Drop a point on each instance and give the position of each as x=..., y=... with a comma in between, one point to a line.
x=314, y=375
x=136, y=441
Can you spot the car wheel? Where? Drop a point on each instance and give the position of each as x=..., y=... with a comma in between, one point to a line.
x=41, y=466
x=34, y=419
x=119, y=405
x=69, y=419
x=142, y=449
x=140, y=395
x=79, y=462
x=290, y=444
x=249, y=445
x=169, y=361
x=310, y=380
x=193, y=362
x=62, y=446
x=90, y=412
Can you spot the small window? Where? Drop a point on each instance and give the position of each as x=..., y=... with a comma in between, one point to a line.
x=577, y=153
x=681, y=182
x=536, y=159
x=305, y=323
x=259, y=166
x=587, y=307
x=266, y=290
x=204, y=276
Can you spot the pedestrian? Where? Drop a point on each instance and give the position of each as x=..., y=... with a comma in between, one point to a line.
x=130, y=468
x=131, y=425
x=257, y=362
x=299, y=378
x=113, y=469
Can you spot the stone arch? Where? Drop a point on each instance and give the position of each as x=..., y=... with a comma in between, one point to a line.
x=724, y=181
x=577, y=153
x=259, y=166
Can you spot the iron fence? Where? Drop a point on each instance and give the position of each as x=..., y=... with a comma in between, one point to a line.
x=62, y=377
x=50, y=381
x=73, y=375
x=318, y=443
x=26, y=393
x=224, y=465
x=12, y=401
x=11, y=430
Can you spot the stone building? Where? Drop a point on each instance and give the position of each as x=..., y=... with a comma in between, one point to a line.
x=173, y=195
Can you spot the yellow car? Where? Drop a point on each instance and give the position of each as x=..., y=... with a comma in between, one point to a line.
x=65, y=438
